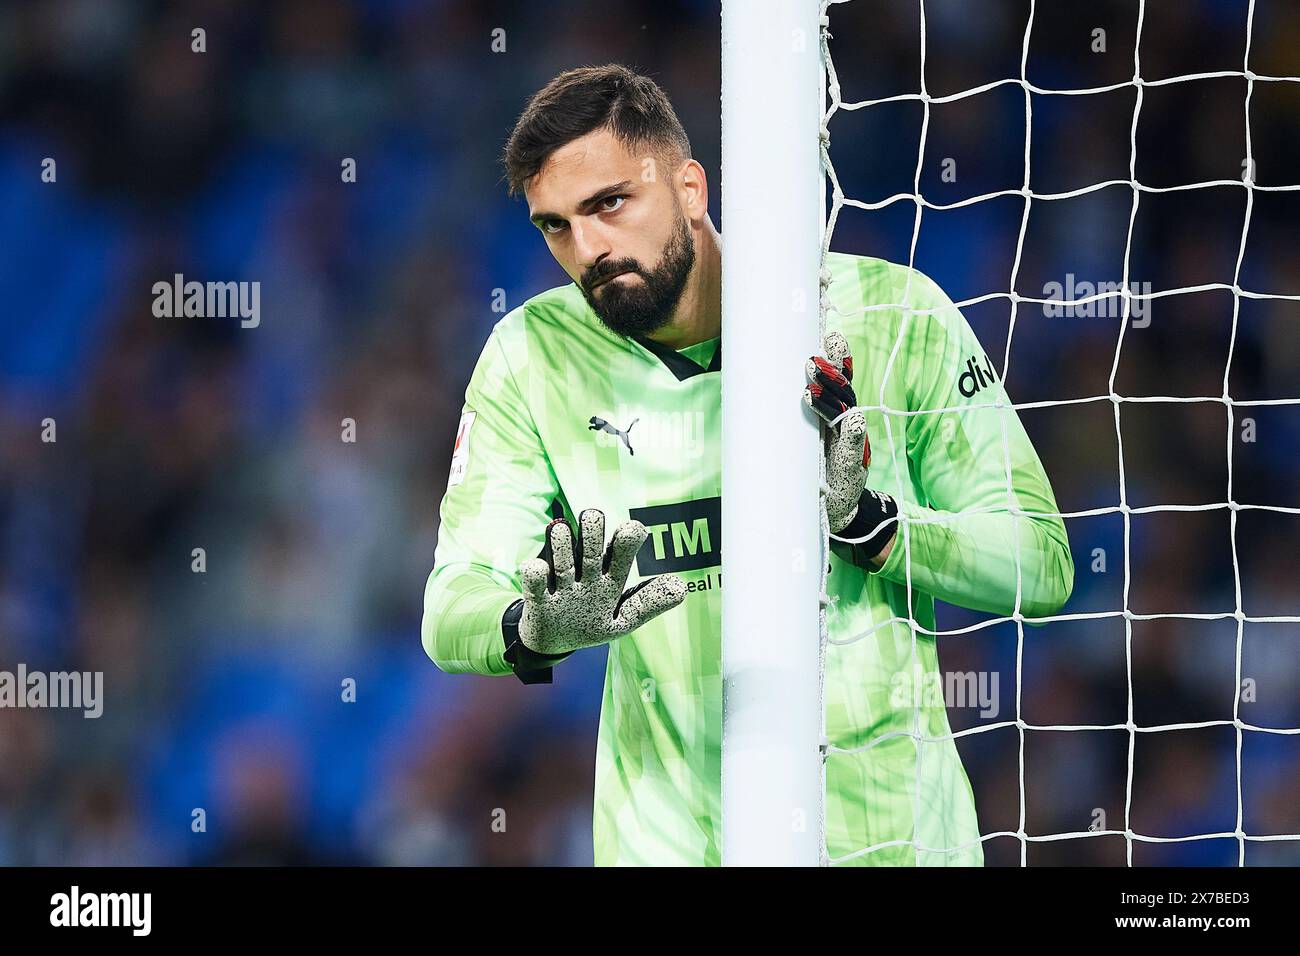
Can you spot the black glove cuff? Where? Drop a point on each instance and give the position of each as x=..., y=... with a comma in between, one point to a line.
x=878, y=513
x=529, y=666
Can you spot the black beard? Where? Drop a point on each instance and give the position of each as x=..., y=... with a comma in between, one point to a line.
x=646, y=306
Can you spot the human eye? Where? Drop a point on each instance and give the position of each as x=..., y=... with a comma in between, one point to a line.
x=558, y=225
x=620, y=199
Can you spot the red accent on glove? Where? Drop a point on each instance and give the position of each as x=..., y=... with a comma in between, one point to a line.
x=830, y=370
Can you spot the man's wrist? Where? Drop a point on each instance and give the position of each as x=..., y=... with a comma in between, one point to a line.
x=529, y=666
x=876, y=523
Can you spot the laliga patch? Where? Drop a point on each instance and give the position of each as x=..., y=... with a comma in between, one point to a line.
x=460, y=454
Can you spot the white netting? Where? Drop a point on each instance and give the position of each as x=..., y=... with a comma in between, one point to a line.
x=839, y=201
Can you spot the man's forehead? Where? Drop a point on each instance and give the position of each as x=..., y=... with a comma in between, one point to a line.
x=577, y=168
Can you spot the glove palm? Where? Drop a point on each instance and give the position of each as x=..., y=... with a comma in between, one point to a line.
x=571, y=604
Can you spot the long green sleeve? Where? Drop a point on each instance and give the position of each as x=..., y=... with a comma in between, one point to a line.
x=493, y=517
x=974, y=465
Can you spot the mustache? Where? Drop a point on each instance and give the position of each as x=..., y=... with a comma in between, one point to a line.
x=596, y=279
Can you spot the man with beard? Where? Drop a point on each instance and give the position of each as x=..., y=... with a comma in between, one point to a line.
x=607, y=172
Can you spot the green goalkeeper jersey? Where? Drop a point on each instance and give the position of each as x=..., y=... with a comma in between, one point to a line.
x=563, y=414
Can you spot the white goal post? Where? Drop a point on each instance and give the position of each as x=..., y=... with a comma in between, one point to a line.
x=775, y=555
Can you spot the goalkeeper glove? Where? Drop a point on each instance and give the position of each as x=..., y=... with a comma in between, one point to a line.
x=848, y=452
x=852, y=509
x=576, y=599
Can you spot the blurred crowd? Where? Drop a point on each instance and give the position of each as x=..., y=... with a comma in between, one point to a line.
x=247, y=571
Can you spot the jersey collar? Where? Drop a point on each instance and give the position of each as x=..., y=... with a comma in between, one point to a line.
x=676, y=362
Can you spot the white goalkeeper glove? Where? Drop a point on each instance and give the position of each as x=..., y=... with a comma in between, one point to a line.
x=848, y=452
x=569, y=605
x=867, y=518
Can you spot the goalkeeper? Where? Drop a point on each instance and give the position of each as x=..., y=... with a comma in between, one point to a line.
x=596, y=406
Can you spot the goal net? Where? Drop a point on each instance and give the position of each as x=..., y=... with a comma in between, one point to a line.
x=1103, y=191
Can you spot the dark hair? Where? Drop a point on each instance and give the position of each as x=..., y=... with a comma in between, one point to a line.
x=577, y=102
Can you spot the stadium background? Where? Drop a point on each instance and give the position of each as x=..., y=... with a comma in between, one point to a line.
x=223, y=689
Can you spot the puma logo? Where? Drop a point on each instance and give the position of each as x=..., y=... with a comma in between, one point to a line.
x=600, y=425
